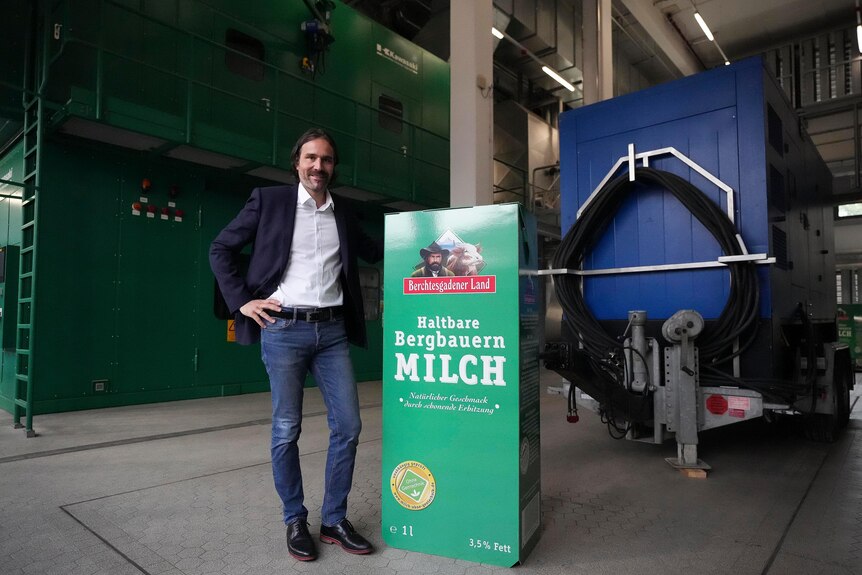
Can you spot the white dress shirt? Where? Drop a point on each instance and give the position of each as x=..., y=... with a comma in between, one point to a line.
x=314, y=266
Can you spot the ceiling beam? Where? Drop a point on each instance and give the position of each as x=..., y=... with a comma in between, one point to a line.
x=665, y=36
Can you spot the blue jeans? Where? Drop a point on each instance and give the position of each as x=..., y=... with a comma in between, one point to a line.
x=290, y=349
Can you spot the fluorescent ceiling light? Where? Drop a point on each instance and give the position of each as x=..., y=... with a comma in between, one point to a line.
x=703, y=26
x=558, y=78
x=562, y=81
x=858, y=26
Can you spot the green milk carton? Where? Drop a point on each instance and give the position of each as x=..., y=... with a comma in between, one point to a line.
x=461, y=467
x=850, y=330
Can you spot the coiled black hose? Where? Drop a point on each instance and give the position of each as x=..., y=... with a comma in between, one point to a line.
x=737, y=319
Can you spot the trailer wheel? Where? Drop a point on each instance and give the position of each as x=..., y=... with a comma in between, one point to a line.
x=827, y=427
x=821, y=427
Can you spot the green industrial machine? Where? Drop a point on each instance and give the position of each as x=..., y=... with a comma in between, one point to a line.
x=131, y=131
x=11, y=170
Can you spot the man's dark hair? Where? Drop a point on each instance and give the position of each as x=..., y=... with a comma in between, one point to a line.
x=309, y=135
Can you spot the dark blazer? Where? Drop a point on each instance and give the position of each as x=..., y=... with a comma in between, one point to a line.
x=267, y=221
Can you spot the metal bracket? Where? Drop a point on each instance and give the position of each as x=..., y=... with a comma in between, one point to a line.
x=721, y=261
x=632, y=158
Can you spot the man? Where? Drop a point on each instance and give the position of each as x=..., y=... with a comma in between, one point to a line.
x=434, y=256
x=301, y=298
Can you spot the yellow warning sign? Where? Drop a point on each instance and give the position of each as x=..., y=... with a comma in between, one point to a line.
x=231, y=330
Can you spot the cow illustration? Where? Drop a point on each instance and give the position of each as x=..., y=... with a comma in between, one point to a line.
x=466, y=260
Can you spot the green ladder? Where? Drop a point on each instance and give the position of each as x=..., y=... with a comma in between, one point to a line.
x=33, y=132
x=26, y=278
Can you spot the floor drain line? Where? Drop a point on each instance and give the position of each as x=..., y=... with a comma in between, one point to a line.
x=790, y=523
x=157, y=437
x=106, y=542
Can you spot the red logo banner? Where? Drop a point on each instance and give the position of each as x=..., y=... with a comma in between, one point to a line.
x=450, y=284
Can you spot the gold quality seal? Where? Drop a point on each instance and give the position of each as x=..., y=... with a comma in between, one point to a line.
x=412, y=485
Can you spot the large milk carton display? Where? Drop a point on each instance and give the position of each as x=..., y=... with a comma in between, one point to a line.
x=461, y=460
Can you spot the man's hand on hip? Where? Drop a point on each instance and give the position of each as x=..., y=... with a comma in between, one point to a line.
x=256, y=310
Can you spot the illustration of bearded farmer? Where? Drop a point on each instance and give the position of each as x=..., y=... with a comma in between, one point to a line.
x=433, y=257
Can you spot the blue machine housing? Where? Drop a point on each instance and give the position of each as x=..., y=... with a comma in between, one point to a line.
x=736, y=123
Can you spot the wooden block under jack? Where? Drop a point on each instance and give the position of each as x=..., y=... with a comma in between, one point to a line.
x=693, y=473
x=697, y=470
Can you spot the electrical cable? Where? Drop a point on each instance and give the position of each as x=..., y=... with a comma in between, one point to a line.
x=778, y=390
x=738, y=317
x=739, y=312
x=630, y=374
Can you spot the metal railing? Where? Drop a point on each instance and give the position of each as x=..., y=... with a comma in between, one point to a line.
x=260, y=115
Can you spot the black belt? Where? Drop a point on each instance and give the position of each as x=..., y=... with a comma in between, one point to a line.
x=309, y=314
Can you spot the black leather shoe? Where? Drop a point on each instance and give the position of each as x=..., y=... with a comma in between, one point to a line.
x=300, y=545
x=343, y=534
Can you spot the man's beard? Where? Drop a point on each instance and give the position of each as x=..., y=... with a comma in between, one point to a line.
x=434, y=268
x=325, y=180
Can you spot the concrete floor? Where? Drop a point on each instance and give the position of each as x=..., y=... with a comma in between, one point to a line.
x=185, y=488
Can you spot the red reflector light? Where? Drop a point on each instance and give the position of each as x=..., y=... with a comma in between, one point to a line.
x=716, y=404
